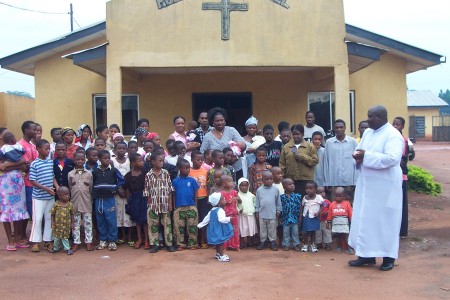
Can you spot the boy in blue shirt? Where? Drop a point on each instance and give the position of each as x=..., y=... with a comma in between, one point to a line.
x=291, y=211
x=185, y=217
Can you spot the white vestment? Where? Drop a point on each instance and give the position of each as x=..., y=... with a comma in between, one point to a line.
x=377, y=206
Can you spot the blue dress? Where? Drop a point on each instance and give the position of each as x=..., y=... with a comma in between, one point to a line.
x=218, y=233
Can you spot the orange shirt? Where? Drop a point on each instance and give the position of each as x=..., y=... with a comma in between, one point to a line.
x=201, y=176
x=343, y=209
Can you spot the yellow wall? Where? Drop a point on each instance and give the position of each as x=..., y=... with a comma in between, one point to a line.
x=14, y=110
x=64, y=92
x=381, y=83
x=428, y=113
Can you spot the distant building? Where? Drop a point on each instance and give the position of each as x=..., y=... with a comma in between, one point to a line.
x=14, y=110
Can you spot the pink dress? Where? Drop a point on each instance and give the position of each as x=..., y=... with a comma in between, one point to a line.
x=231, y=211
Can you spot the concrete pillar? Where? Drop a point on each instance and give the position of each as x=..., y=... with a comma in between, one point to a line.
x=342, y=98
x=114, y=96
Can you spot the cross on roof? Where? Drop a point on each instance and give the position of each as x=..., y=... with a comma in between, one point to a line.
x=225, y=7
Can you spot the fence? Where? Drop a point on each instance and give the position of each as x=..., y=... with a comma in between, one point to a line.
x=441, y=129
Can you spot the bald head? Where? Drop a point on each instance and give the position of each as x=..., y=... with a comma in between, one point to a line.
x=377, y=116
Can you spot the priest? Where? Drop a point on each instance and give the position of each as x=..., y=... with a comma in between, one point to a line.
x=377, y=207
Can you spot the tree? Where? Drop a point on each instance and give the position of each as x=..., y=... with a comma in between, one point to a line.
x=445, y=111
x=19, y=93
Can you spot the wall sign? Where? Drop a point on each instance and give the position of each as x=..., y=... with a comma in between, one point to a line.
x=225, y=7
x=282, y=3
x=165, y=3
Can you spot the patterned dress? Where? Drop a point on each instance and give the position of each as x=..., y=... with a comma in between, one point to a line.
x=123, y=219
x=12, y=197
x=231, y=211
x=255, y=176
x=61, y=228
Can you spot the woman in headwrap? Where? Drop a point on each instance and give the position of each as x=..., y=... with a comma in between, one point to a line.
x=141, y=136
x=251, y=125
x=84, y=137
x=143, y=123
x=67, y=135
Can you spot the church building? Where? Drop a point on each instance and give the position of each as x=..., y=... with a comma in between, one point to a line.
x=275, y=59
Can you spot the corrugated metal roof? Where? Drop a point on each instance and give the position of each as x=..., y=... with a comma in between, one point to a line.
x=424, y=99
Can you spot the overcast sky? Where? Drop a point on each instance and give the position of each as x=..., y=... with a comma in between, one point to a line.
x=424, y=24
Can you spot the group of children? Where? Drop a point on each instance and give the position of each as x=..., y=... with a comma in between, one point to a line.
x=168, y=199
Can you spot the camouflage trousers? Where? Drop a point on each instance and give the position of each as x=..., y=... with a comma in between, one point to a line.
x=185, y=221
x=153, y=221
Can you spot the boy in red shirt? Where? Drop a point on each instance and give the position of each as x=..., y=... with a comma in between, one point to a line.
x=340, y=216
x=323, y=236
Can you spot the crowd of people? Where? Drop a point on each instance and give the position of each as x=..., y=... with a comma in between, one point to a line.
x=262, y=190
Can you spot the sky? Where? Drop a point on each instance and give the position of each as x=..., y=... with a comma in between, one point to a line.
x=424, y=24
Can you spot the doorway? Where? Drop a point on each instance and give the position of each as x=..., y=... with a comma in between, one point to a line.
x=238, y=107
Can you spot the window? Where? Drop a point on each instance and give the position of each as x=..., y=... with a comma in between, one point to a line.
x=323, y=106
x=130, y=112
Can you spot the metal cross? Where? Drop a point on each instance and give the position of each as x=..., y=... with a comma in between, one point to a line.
x=225, y=8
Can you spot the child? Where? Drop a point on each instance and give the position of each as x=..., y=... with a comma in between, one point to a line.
x=324, y=234
x=217, y=187
x=268, y=209
x=55, y=134
x=312, y=206
x=92, y=159
x=231, y=199
x=107, y=182
x=340, y=216
x=317, y=140
x=191, y=134
x=158, y=189
x=137, y=203
x=228, y=161
x=219, y=229
x=291, y=205
x=185, y=215
x=11, y=150
x=122, y=163
x=173, y=153
x=256, y=170
x=180, y=149
x=62, y=221
x=80, y=184
x=61, y=166
x=246, y=209
x=102, y=131
x=208, y=159
x=100, y=144
x=41, y=177
x=200, y=174
x=277, y=178
x=132, y=147
x=218, y=159
x=273, y=147
x=149, y=146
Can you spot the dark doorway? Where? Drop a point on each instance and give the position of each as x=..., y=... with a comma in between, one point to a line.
x=237, y=105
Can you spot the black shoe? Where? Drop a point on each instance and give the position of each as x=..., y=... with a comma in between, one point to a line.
x=273, y=246
x=171, y=249
x=388, y=264
x=361, y=261
x=260, y=246
x=154, y=249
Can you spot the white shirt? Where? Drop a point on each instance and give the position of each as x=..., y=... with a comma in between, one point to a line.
x=311, y=206
x=309, y=132
x=221, y=216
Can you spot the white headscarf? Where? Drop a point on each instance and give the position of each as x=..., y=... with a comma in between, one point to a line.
x=251, y=121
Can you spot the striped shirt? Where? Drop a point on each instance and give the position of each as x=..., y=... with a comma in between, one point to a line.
x=41, y=171
x=158, y=189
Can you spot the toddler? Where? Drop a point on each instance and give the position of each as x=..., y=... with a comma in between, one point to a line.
x=219, y=228
x=312, y=206
x=256, y=170
x=291, y=206
x=231, y=198
x=246, y=209
x=217, y=187
x=323, y=236
x=340, y=216
x=11, y=150
x=62, y=221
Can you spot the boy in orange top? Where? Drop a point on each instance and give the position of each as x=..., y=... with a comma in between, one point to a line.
x=200, y=174
x=340, y=216
x=323, y=236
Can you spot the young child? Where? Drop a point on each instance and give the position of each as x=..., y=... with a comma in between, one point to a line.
x=100, y=144
x=41, y=177
x=277, y=179
x=158, y=190
x=200, y=174
x=61, y=166
x=191, y=134
x=231, y=199
x=132, y=147
x=340, y=216
x=256, y=170
x=55, y=134
x=92, y=159
x=228, y=161
x=312, y=206
x=185, y=215
x=208, y=159
x=137, y=203
x=107, y=182
x=217, y=187
x=291, y=205
x=180, y=149
x=218, y=159
x=268, y=209
x=219, y=228
x=273, y=147
x=122, y=163
x=102, y=131
x=80, y=184
x=11, y=150
x=246, y=209
x=62, y=221
x=323, y=236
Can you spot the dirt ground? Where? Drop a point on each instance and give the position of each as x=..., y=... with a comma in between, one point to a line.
x=422, y=271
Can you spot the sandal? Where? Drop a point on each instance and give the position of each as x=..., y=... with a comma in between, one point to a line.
x=180, y=248
x=133, y=244
x=204, y=246
x=120, y=242
x=328, y=247
x=193, y=248
x=11, y=248
x=137, y=245
x=35, y=248
x=147, y=246
x=22, y=245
